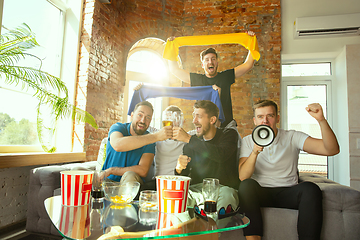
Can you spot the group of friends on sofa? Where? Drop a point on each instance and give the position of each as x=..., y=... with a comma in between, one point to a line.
x=251, y=178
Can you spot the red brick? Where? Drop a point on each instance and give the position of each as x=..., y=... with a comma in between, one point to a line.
x=109, y=31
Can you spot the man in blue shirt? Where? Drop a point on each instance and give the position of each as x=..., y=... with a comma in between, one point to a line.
x=130, y=149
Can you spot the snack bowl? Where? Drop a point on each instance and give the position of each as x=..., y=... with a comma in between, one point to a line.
x=118, y=193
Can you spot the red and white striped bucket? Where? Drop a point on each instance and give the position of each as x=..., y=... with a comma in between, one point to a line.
x=172, y=193
x=76, y=187
x=75, y=222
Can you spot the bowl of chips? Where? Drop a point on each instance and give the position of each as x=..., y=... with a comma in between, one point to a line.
x=118, y=193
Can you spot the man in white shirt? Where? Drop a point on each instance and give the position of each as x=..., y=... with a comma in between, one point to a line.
x=167, y=151
x=269, y=176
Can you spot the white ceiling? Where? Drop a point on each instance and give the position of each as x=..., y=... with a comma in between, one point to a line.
x=313, y=48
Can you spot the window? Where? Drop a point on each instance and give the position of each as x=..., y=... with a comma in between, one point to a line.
x=147, y=62
x=48, y=21
x=147, y=66
x=156, y=102
x=303, y=84
x=308, y=69
x=20, y=129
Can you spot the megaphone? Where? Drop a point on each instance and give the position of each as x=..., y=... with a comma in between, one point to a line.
x=263, y=135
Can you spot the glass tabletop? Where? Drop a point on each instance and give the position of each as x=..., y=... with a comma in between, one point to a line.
x=102, y=220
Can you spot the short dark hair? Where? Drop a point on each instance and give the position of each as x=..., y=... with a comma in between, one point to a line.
x=265, y=103
x=206, y=51
x=144, y=103
x=210, y=108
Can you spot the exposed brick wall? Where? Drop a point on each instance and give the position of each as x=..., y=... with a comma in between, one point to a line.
x=105, y=74
x=113, y=28
x=217, y=17
x=109, y=32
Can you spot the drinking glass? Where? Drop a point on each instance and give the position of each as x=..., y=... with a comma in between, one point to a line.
x=147, y=218
x=148, y=200
x=178, y=119
x=167, y=118
x=210, y=192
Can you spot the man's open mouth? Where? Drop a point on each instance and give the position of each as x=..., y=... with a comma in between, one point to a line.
x=142, y=126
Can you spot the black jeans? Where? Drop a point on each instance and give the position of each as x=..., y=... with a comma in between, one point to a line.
x=305, y=197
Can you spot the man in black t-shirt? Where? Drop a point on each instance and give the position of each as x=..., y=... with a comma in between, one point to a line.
x=220, y=81
x=211, y=153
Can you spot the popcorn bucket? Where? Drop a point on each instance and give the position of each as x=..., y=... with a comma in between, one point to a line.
x=76, y=187
x=172, y=193
x=80, y=217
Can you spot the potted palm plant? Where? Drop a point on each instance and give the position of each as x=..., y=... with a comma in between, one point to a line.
x=49, y=90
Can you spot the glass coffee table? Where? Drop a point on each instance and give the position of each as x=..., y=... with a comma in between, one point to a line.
x=102, y=220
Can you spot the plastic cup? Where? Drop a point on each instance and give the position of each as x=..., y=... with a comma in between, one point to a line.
x=76, y=187
x=172, y=193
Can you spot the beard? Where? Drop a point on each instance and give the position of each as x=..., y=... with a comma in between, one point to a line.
x=212, y=71
x=137, y=130
x=204, y=130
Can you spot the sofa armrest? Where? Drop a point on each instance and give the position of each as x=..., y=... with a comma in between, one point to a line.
x=341, y=208
x=311, y=177
x=43, y=182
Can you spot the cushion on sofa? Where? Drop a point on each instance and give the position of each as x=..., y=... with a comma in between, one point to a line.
x=102, y=153
x=43, y=182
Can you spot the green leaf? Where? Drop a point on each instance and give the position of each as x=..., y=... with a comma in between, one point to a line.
x=48, y=89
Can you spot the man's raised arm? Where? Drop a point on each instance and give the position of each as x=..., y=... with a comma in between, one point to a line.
x=247, y=65
x=174, y=68
x=141, y=169
x=328, y=145
x=128, y=143
x=181, y=74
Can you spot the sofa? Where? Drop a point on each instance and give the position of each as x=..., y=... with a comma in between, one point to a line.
x=341, y=205
x=44, y=182
x=341, y=214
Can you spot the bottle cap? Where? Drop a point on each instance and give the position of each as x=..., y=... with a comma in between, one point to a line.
x=97, y=194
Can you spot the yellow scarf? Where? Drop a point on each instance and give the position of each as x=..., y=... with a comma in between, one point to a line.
x=171, y=50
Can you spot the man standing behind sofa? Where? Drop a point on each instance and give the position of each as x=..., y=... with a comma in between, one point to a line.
x=269, y=176
x=211, y=153
x=130, y=149
x=220, y=81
